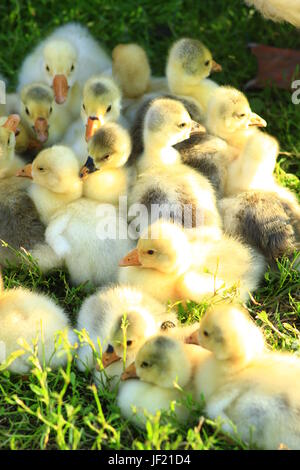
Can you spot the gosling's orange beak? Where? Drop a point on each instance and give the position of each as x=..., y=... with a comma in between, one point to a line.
x=193, y=338
x=197, y=128
x=26, y=172
x=12, y=123
x=129, y=373
x=41, y=129
x=60, y=87
x=108, y=358
x=92, y=126
x=256, y=120
x=131, y=259
x=215, y=67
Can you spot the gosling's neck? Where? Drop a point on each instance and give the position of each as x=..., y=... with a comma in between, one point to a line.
x=158, y=151
x=181, y=85
x=48, y=203
x=238, y=139
x=235, y=364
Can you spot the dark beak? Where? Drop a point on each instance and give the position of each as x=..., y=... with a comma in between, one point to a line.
x=88, y=168
x=197, y=128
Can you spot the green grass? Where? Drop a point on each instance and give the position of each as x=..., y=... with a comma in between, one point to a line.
x=51, y=410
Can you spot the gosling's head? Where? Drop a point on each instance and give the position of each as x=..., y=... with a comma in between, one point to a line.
x=161, y=361
x=101, y=103
x=130, y=332
x=37, y=101
x=162, y=247
x=229, y=112
x=230, y=334
x=131, y=69
x=190, y=62
x=55, y=169
x=110, y=146
x=60, y=65
x=167, y=123
x=8, y=129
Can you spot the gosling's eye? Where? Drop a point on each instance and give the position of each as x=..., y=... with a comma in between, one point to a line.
x=183, y=124
x=205, y=333
x=129, y=343
x=207, y=63
x=47, y=68
x=50, y=110
x=73, y=67
x=150, y=252
x=105, y=158
x=27, y=111
x=242, y=115
x=145, y=364
x=83, y=106
x=40, y=168
x=8, y=140
x=108, y=109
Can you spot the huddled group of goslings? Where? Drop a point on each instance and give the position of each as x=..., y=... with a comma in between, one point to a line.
x=84, y=131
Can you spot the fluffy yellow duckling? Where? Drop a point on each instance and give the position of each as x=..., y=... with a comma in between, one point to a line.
x=163, y=180
x=188, y=66
x=102, y=314
x=55, y=180
x=173, y=264
x=9, y=162
x=228, y=331
x=131, y=69
x=65, y=60
x=230, y=117
x=138, y=120
x=55, y=183
x=31, y=317
x=278, y=10
x=256, y=390
x=108, y=179
x=161, y=363
x=254, y=152
x=73, y=234
x=257, y=208
x=44, y=121
x=167, y=123
x=101, y=104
